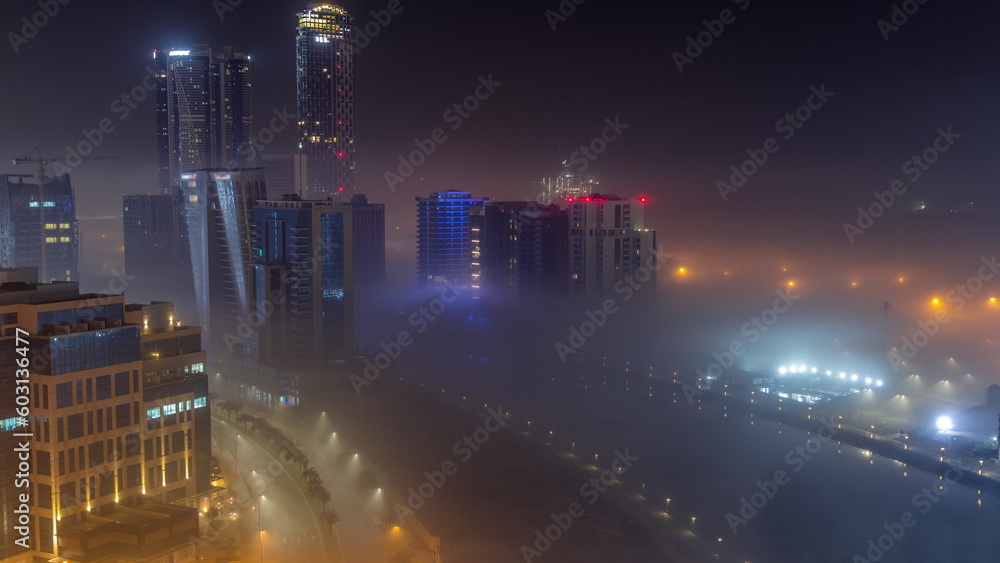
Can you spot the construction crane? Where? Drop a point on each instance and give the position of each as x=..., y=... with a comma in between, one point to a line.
x=42, y=162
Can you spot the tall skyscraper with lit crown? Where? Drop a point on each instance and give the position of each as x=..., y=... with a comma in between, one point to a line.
x=325, y=87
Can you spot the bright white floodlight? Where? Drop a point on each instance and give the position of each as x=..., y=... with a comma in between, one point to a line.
x=814, y=370
x=802, y=368
x=854, y=377
x=945, y=423
x=782, y=370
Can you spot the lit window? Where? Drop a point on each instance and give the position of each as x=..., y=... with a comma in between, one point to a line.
x=51, y=226
x=50, y=240
x=64, y=226
x=199, y=402
x=64, y=239
x=153, y=413
x=169, y=409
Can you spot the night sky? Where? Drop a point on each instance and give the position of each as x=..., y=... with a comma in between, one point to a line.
x=606, y=60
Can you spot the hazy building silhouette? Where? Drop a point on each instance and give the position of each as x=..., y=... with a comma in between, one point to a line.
x=204, y=114
x=284, y=174
x=325, y=93
x=155, y=235
x=568, y=184
x=43, y=234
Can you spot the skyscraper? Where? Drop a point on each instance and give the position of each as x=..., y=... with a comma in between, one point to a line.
x=203, y=111
x=38, y=233
x=608, y=240
x=219, y=208
x=325, y=87
x=304, y=254
x=444, y=251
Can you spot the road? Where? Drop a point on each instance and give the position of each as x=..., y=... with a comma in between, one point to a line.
x=291, y=533
x=361, y=533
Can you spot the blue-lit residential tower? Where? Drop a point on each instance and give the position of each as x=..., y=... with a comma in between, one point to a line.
x=444, y=252
x=325, y=95
x=27, y=224
x=303, y=257
x=218, y=206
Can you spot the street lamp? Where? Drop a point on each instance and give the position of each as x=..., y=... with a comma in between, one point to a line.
x=260, y=531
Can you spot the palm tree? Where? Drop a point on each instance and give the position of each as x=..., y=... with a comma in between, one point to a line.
x=309, y=474
x=323, y=495
x=303, y=461
x=330, y=516
x=243, y=419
